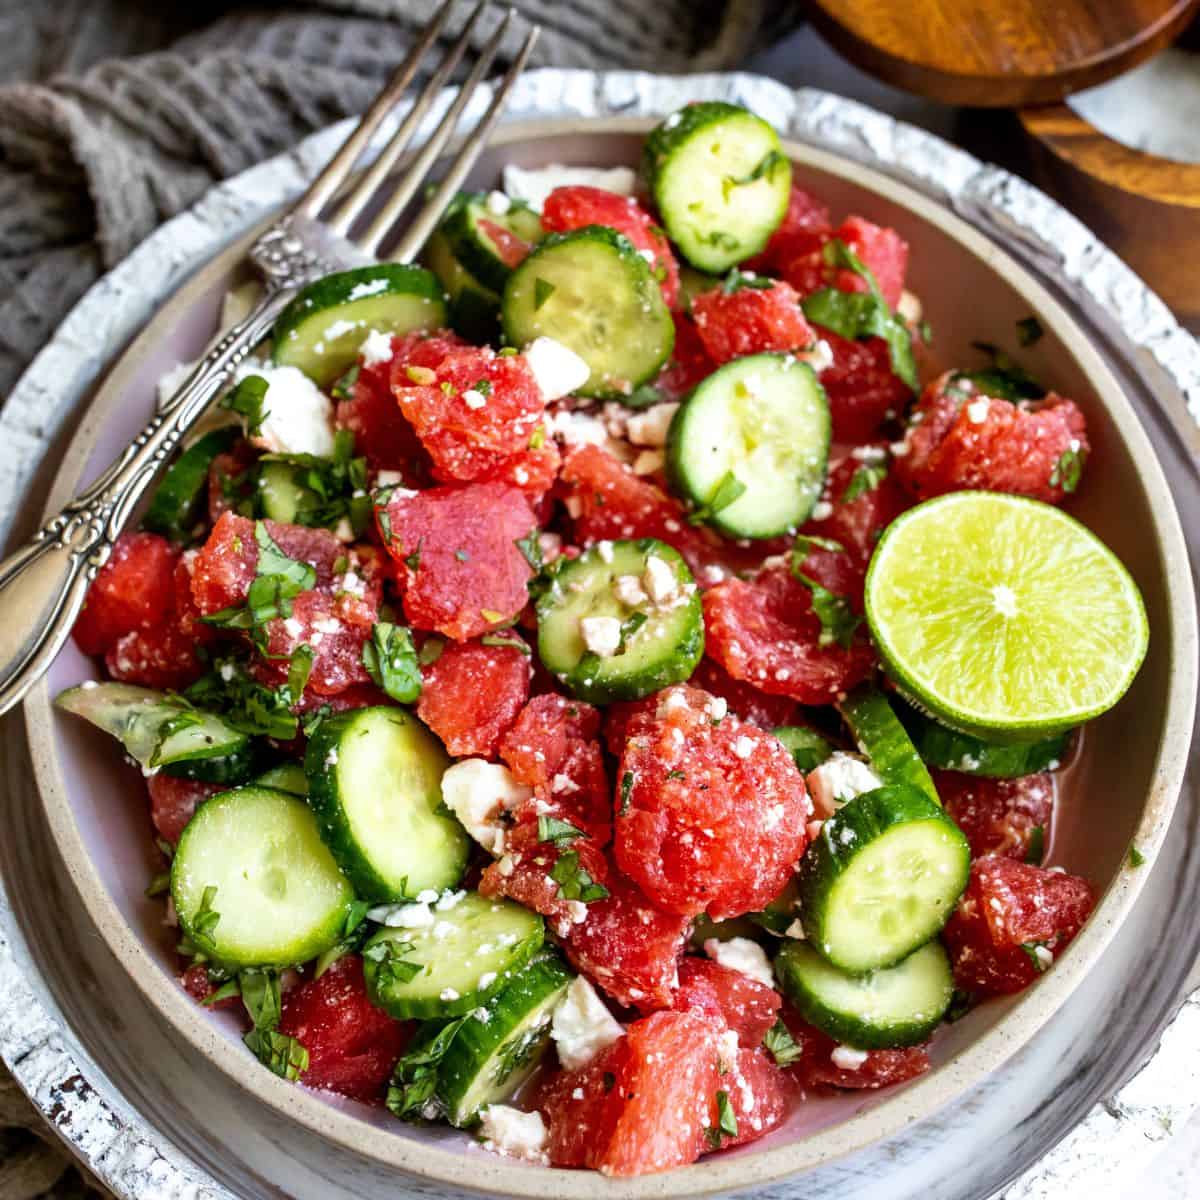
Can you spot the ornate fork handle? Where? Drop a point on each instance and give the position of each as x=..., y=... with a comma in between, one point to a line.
x=43, y=585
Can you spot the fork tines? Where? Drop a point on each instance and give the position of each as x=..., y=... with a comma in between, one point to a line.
x=375, y=183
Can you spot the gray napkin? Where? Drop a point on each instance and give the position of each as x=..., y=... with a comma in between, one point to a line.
x=117, y=114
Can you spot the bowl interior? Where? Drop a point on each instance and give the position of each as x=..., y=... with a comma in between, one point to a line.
x=1120, y=788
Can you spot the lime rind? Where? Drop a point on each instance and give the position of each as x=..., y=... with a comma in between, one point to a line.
x=1002, y=616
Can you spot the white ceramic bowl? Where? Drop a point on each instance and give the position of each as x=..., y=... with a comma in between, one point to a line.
x=1121, y=791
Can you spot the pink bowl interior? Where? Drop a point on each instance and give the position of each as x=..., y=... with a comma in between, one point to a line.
x=965, y=299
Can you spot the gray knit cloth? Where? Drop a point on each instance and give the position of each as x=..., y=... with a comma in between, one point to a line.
x=117, y=114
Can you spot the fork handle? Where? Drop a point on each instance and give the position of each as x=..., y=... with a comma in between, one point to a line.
x=43, y=584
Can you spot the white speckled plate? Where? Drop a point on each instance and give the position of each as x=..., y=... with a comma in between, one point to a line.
x=235, y=1137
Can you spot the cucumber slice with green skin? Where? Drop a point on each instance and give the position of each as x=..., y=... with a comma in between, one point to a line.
x=500, y=1045
x=465, y=228
x=881, y=879
x=592, y=291
x=281, y=497
x=254, y=857
x=720, y=180
x=884, y=740
x=899, y=1006
x=952, y=751
x=176, y=507
x=321, y=330
x=286, y=777
x=781, y=914
x=474, y=309
x=808, y=748
x=375, y=785
x=660, y=643
x=229, y=769
x=749, y=446
x=155, y=729
x=458, y=961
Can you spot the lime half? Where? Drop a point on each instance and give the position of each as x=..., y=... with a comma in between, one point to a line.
x=1003, y=616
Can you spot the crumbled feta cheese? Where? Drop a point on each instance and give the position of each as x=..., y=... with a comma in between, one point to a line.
x=819, y=356
x=559, y=371
x=473, y=398
x=376, y=348
x=649, y=256
x=846, y=1058
x=577, y=428
x=605, y=551
x=372, y=287
x=909, y=307
x=478, y=793
x=659, y=580
x=403, y=916
x=299, y=416
x=629, y=591
x=744, y=746
x=840, y=778
x=533, y=186
x=649, y=428
x=498, y=203
x=601, y=635
x=716, y=707
x=582, y=1026
x=513, y=1133
x=822, y=510
x=741, y=954
x=977, y=411
x=389, y=479
x=226, y=671
x=448, y=995
x=1044, y=956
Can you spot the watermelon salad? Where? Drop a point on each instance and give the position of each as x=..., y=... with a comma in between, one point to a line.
x=607, y=685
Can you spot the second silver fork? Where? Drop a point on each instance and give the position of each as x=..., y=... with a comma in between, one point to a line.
x=43, y=584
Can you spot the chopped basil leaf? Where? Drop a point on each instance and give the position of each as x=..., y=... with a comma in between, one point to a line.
x=764, y=169
x=574, y=883
x=391, y=661
x=728, y=489
x=227, y=991
x=727, y=1119
x=551, y=829
x=299, y=668
x=205, y=919
x=865, y=479
x=243, y=702
x=783, y=1047
x=838, y=620
x=343, y=389
x=1037, y=845
x=157, y=886
x=626, y=791
x=1136, y=857
x=543, y=289
x=737, y=281
x=1031, y=952
x=961, y=1003
x=260, y=995
x=391, y=967
x=1068, y=470
x=410, y=1095
x=283, y=1055
x=246, y=399
x=513, y=643
x=530, y=547
x=1004, y=379
x=629, y=628
x=805, y=543
x=413, y=561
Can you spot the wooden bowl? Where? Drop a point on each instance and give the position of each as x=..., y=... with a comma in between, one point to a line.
x=1122, y=790
x=1145, y=207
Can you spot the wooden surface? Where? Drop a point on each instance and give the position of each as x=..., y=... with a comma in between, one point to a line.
x=999, y=53
x=1145, y=207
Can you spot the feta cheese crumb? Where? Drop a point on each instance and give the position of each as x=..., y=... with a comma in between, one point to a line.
x=649, y=428
x=299, y=416
x=478, y=793
x=403, y=916
x=498, y=203
x=448, y=995
x=659, y=580
x=601, y=635
x=533, y=186
x=840, y=778
x=744, y=746
x=628, y=590
x=977, y=411
x=741, y=954
x=846, y=1058
x=822, y=510
x=559, y=371
x=473, y=398
x=582, y=1026
x=513, y=1133
x=1044, y=956
x=376, y=348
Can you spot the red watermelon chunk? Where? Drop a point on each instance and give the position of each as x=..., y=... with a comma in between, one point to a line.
x=745, y=1005
x=471, y=694
x=162, y=657
x=456, y=550
x=759, y=1093
x=882, y=250
x=336, y=643
x=568, y=208
x=805, y=226
x=130, y=592
x=712, y=813
x=750, y=320
x=880, y=1068
x=960, y=439
x=352, y=1045
x=196, y=983
x=628, y=946
x=643, y=1104
x=744, y=700
x=764, y=631
x=1012, y=921
x=862, y=390
x=854, y=524
x=174, y=801
x=998, y=816
x=689, y=361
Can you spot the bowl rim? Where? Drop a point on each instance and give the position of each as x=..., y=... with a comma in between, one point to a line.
x=492, y=1174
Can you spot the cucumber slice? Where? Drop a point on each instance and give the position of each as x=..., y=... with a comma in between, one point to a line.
x=176, y=506
x=465, y=955
x=375, y=784
x=808, y=748
x=640, y=595
x=953, y=751
x=159, y=731
x=720, y=180
x=286, y=777
x=321, y=330
x=884, y=740
x=470, y=228
x=899, y=1006
x=474, y=309
x=748, y=448
x=281, y=496
x=782, y=913
x=500, y=1044
x=231, y=769
x=593, y=292
x=693, y=283
x=881, y=879
x=1002, y=616
x=254, y=857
